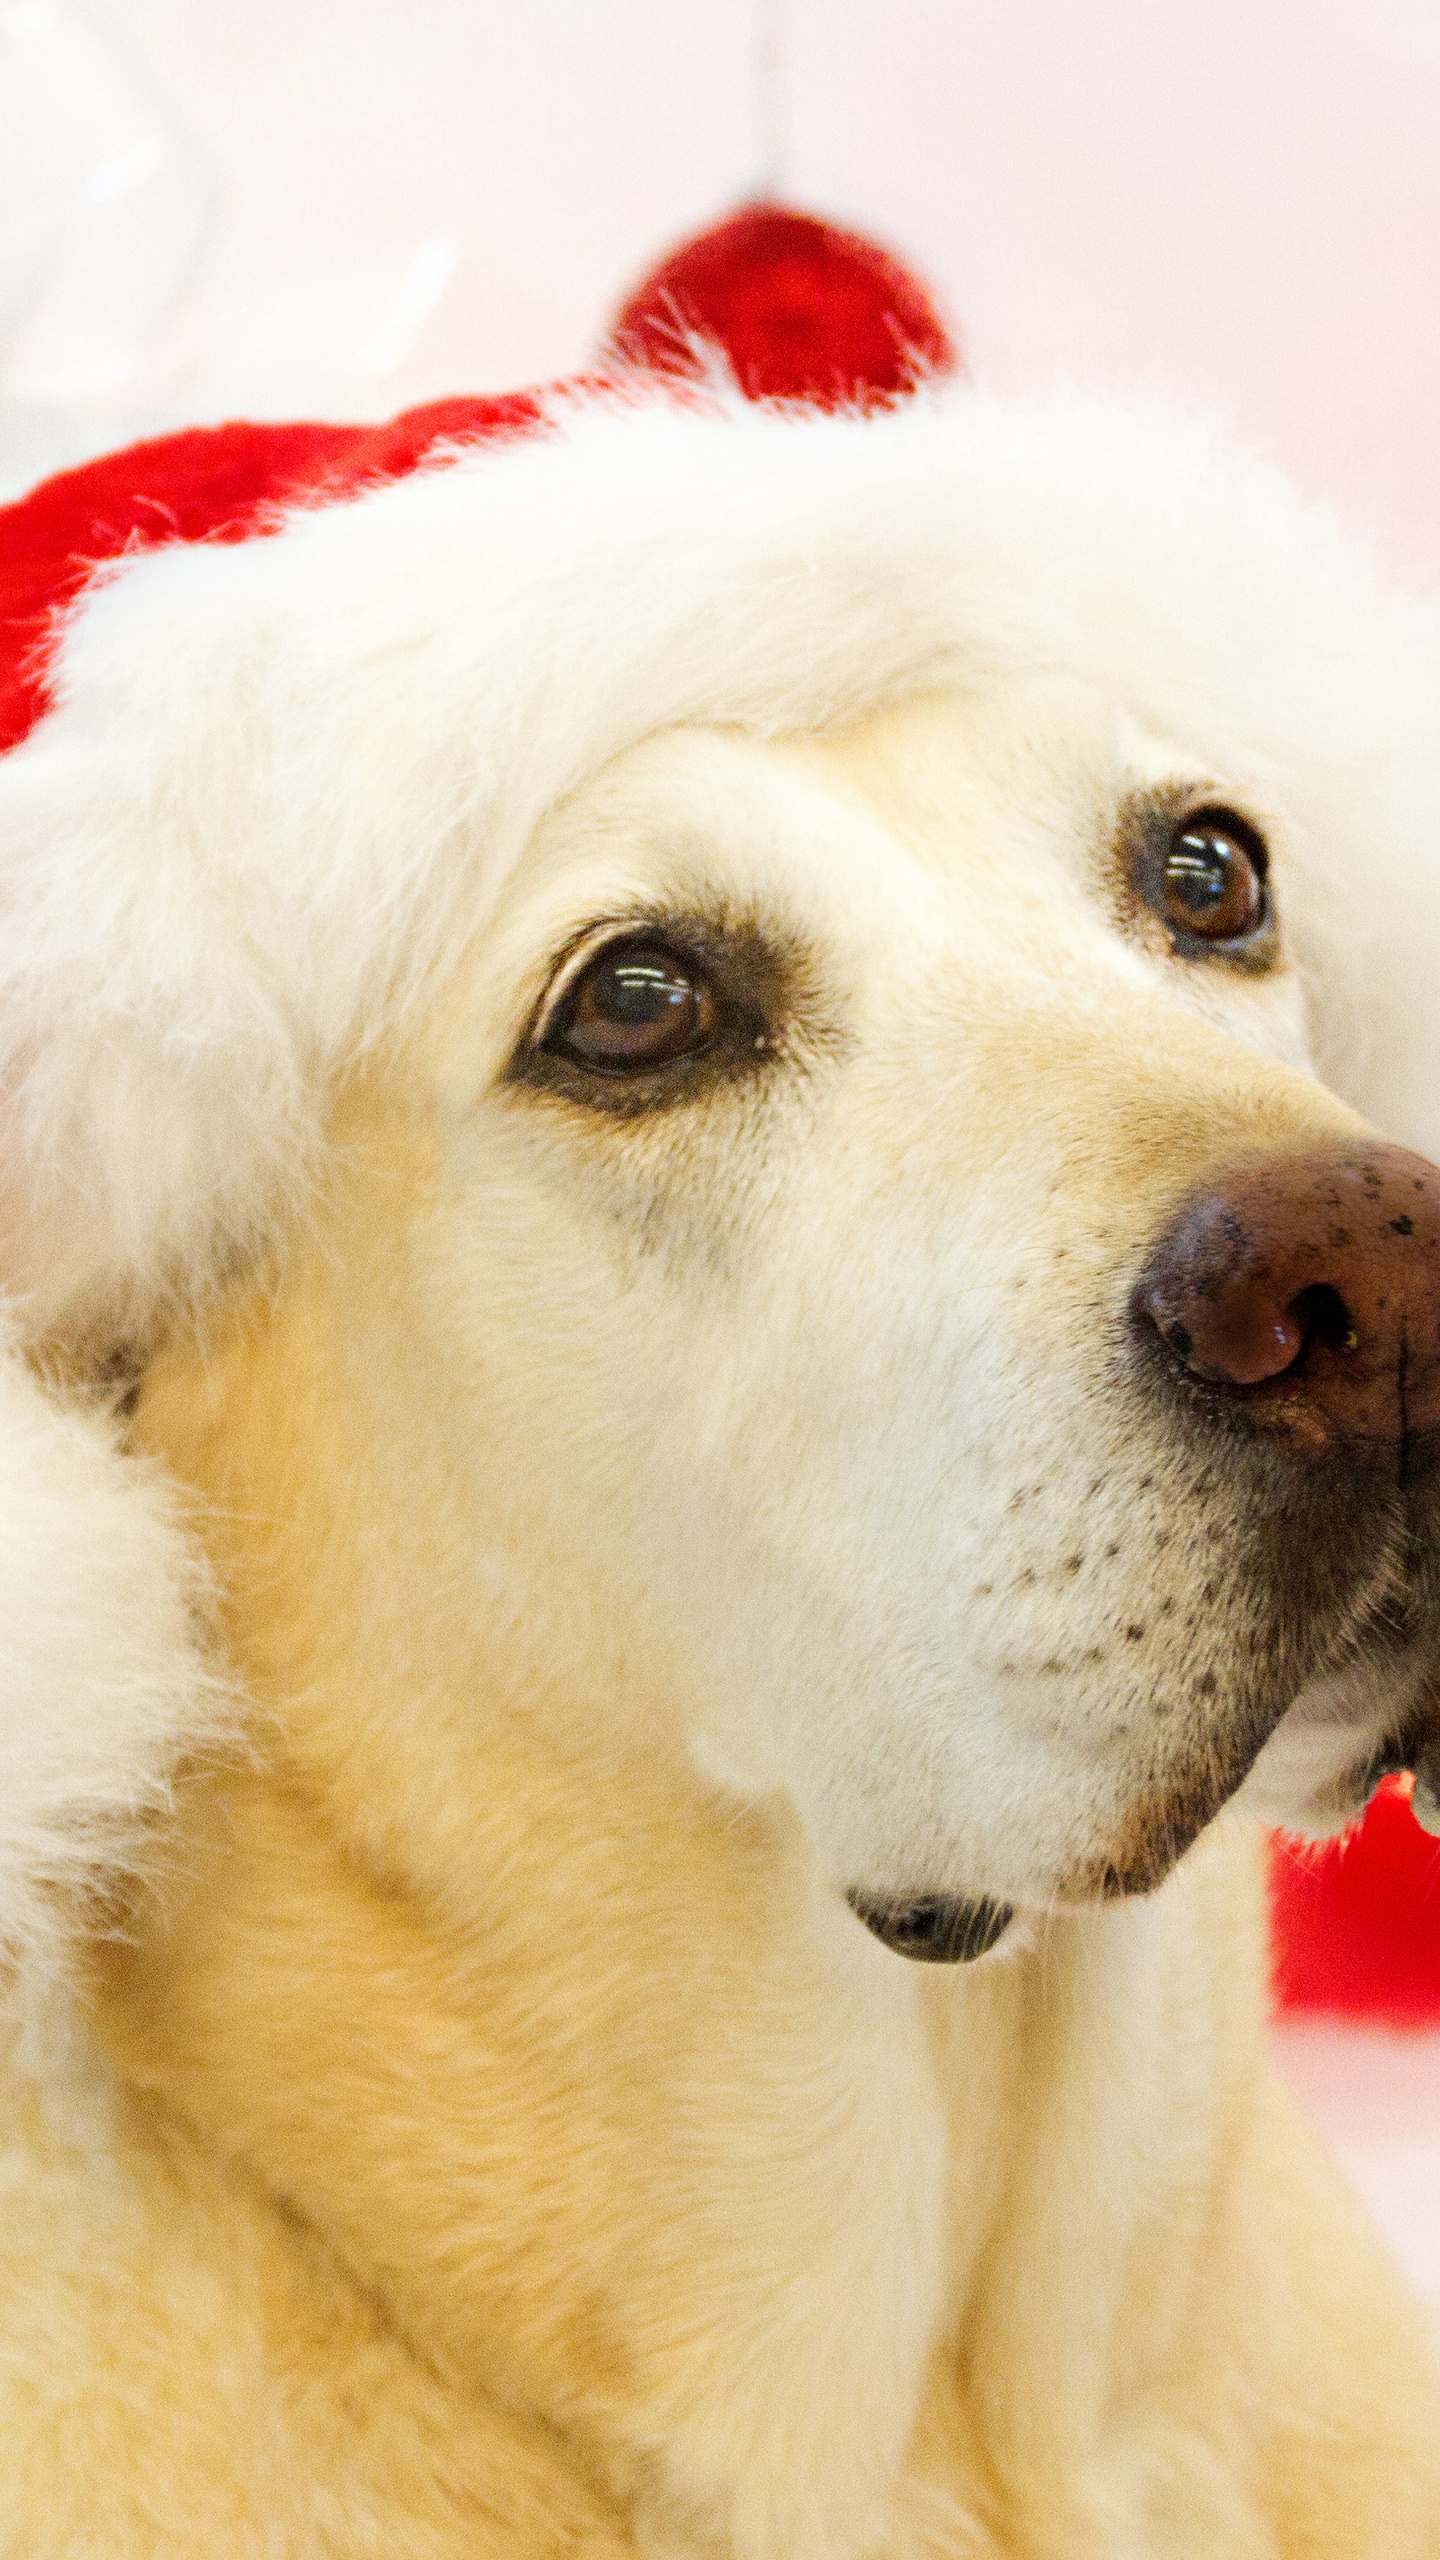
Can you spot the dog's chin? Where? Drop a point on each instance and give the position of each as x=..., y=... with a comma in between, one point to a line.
x=1313, y=1776
x=1329, y=1753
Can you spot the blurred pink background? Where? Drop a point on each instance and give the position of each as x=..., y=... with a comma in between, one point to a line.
x=1239, y=202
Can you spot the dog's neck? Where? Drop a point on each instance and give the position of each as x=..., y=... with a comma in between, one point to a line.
x=574, y=2060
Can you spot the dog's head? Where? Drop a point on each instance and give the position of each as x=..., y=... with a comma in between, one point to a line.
x=901, y=1308
x=956, y=1351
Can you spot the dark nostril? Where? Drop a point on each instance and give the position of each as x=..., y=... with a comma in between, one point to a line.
x=1324, y=1318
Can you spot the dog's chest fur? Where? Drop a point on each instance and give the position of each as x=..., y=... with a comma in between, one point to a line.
x=385, y=2265
x=390, y=2270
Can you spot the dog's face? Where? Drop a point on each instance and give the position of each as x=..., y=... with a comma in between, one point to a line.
x=809, y=1119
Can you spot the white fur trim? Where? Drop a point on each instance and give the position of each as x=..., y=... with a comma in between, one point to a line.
x=283, y=777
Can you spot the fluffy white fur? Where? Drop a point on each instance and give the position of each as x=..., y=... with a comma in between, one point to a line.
x=100, y=1673
x=282, y=781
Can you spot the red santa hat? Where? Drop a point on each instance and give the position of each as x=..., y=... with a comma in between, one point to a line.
x=799, y=310
x=280, y=705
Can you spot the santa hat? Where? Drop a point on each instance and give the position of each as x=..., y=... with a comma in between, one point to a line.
x=280, y=707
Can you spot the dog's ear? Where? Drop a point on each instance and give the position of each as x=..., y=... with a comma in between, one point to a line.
x=103, y=1679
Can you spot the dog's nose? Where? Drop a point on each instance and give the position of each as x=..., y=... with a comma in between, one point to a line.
x=1308, y=1288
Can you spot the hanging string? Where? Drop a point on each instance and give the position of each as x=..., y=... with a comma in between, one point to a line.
x=772, y=170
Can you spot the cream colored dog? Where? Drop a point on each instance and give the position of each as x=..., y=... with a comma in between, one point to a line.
x=710, y=1428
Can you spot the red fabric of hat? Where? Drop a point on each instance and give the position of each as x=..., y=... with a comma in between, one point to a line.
x=800, y=309
x=211, y=484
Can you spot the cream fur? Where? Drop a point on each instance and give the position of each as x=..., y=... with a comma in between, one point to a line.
x=101, y=1675
x=489, y=2130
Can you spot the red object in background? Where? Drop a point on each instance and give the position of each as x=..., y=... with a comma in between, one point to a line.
x=1356, y=1925
x=803, y=310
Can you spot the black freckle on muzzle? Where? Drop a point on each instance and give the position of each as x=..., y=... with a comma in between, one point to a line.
x=934, y=1928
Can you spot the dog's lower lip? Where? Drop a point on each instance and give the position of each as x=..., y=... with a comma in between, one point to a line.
x=934, y=1928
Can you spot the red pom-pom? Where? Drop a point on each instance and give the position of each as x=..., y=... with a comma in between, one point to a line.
x=803, y=311
x=1356, y=1925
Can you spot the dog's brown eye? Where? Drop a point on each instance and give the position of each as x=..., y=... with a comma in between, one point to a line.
x=638, y=1005
x=1213, y=883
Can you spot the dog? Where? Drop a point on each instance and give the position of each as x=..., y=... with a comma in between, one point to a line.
x=760, y=1407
